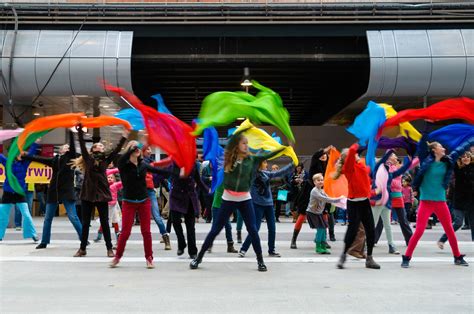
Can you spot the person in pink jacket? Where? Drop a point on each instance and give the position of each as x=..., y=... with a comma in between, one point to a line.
x=114, y=208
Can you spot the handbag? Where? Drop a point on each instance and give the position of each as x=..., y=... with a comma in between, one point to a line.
x=282, y=195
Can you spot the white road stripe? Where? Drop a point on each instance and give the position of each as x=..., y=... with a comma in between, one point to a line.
x=332, y=259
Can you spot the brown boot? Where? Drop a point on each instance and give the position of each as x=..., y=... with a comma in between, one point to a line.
x=230, y=248
x=166, y=239
x=370, y=263
x=110, y=253
x=80, y=253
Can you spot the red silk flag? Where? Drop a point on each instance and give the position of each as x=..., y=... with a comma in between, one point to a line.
x=454, y=108
x=165, y=131
x=332, y=187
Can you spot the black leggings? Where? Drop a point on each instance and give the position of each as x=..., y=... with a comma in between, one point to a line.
x=190, y=229
x=87, y=210
x=360, y=211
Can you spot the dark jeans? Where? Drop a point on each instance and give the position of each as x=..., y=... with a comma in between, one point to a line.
x=402, y=221
x=359, y=211
x=228, y=226
x=87, y=210
x=331, y=224
x=248, y=215
x=458, y=218
x=190, y=229
x=269, y=214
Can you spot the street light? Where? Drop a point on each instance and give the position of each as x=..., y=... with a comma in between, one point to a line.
x=246, y=83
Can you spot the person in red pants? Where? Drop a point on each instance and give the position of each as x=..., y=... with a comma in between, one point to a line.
x=433, y=179
x=133, y=172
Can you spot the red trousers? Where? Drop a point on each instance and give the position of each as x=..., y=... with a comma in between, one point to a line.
x=128, y=217
x=425, y=210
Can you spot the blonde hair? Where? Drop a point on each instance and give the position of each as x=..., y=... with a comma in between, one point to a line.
x=432, y=145
x=340, y=164
x=232, y=152
x=318, y=175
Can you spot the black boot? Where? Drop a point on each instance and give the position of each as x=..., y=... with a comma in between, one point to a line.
x=293, y=240
x=230, y=248
x=405, y=261
x=195, y=262
x=342, y=260
x=239, y=236
x=326, y=245
x=260, y=263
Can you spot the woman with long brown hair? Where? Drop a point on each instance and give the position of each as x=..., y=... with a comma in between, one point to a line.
x=95, y=192
x=239, y=169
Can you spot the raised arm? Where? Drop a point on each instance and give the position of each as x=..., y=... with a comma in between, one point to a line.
x=454, y=155
x=82, y=143
x=48, y=161
x=108, y=172
x=350, y=159
x=172, y=171
x=117, y=150
x=259, y=158
x=72, y=146
x=404, y=168
x=281, y=172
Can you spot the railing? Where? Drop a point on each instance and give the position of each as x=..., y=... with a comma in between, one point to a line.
x=226, y=1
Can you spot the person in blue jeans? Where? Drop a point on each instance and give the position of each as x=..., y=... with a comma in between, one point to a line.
x=11, y=198
x=61, y=188
x=216, y=206
x=263, y=204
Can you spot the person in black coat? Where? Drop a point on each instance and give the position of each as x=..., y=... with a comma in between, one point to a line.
x=61, y=188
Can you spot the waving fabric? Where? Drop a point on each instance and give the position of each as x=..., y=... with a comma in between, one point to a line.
x=223, y=108
x=452, y=136
x=14, y=152
x=408, y=144
x=406, y=129
x=133, y=116
x=214, y=153
x=9, y=134
x=261, y=140
x=365, y=128
x=332, y=187
x=165, y=131
x=454, y=108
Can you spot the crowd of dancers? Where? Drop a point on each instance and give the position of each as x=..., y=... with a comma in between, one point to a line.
x=251, y=190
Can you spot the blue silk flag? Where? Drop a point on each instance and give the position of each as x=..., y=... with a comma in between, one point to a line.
x=161, y=104
x=452, y=136
x=365, y=128
x=214, y=153
x=133, y=116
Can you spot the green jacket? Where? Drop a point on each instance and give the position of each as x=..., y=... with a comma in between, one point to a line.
x=241, y=177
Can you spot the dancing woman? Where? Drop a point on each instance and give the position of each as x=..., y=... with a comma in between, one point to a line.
x=133, y=171
x=95, y=191
x=61, y=188
x=239, y=169
x=358, y=204
x=432, y=180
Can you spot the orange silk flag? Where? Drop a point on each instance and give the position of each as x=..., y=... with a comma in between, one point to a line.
x=332, y=187
x=67, y=120
x=97, y=122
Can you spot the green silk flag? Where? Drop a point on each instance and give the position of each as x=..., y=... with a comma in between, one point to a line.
x=223, y=108
x=14, y=152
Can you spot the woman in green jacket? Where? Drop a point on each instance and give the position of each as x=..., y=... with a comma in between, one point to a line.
x=239, y=170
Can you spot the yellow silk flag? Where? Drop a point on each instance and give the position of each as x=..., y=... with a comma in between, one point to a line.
x=406, y=129
x=259, y=139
